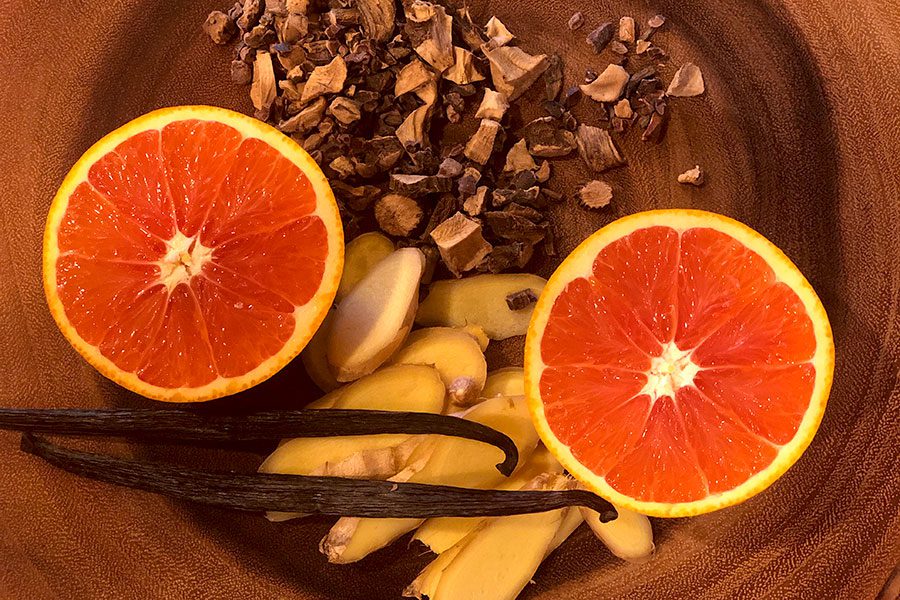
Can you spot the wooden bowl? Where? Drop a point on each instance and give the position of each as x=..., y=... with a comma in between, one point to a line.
x=798, y=132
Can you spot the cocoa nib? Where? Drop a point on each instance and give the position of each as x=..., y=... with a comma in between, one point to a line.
x=597, y=149
x=546, y=138
x=417, y=186
x=600, y=37
x=513, y=227
x=521, y=299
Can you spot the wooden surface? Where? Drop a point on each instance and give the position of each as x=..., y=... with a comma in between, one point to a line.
x=799, y=134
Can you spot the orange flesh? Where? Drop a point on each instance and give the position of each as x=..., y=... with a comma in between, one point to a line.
x=679, y=367
x=184, y=255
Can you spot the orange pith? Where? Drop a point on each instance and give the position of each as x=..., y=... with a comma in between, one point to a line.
x=677, y=362
x=192, y=253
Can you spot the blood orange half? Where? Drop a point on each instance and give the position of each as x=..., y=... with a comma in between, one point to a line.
x=192, y=253
x=677, y=362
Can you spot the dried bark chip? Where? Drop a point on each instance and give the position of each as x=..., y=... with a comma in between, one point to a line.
x=503, y=197
x=597, y=148
x=219, y=27
x=263, y=89
x=546, y=139
x=431, y=30
x=687, y=82
x=306, y=119
x=443, y=210
x=481, y=144
x=412, y=131
x=623, y=109
x=595, y=194
x=653, y=131
x=626, y=30
x=412, y=77
x=497, y=33
x=647, y=74
x=553, y=77
x=241, y=72
x=250, y=14
x=467, y=29
x=345, y=110
x=513, y=70
x=693, y=176
x=542, y=174
x=571, y=96
x=608, y=86
x=259, y=37
x=293, y=28
x=552, y=195
x=600, y=37
x=619, y=48
x=642, y=46
x=519, y=159
x=397, y=215
x=327, y=79
x=493, y=105
x=474, y=204
x=507, y=256
x=576, y=21
x=416, y=186
x=513, y=227
x=378, y=18
x=343, y=17
x=461, y=243
x=466, y=184
x=656, y=21
x=342, y=166
x=521, y=299
x=533, y=215
x=463, y=70
x=450, y=167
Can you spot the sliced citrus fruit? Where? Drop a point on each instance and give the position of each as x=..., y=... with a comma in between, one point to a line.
x=677, y=362
x=192, y=253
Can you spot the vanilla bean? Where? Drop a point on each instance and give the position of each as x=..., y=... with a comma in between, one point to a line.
x=307, y=494
x=191, y=426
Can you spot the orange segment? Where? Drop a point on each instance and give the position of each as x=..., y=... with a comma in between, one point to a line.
x=677, y=362
x=192, y=253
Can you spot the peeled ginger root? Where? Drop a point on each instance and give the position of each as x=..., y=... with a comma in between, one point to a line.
x=413, y=388
x=509, y=381
x=442, y=533
x=447, y=461
x=314, y=359
x=360, y=256
x=480, y=300
x=497, y=561
x=373, y=320
x=630, y=536
x=454, y=353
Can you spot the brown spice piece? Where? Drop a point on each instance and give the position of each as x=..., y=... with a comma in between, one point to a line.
x=553, y=77
x=327, y=79
x=263, y=90
x=412, y=131
x=519, y=159
x=513, y=71
x=306, y=119
x=450, y=167
x=642, y=46
x=461, y=243
x=219, y=27
x=542, y=174
x=498, y=34
x=608, y=86
x=513, y=227
x=576, y=21
x=521, y=299
x=250, y=14
x=357, y=198
x=417, y=186
x=546, y=139
x=618, y=47
x=467, y=30
x=342, y=166
x=345, y=110
x=378, y=18
x=430, y=29
x=412, y=77
x=463, y=70
x=241, y=72
x=493, y=106
x=431, y=260
x=530, y=196
x=693, y=176
x=600, y=37
x=470, y=178
x=343, y=17
x=571, y=96
x=533, y=215
x=595, y=194
x=653, y=24
x=687, y=82
x=647, y=74
x=623, y=109
x=397, y=215
x=507, y=256
x=474, y=204
x=443, y=210
x=597, y=148
x=654, y=128
x=293, y=28
x=481, y=144
x=626, y=30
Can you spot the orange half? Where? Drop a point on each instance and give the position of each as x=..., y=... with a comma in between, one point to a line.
x=192, y=253
x=678, y=362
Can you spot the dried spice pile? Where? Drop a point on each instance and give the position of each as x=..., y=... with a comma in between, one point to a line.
x=369, y=87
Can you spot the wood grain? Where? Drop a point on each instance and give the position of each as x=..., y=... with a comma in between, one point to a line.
x=798, y=133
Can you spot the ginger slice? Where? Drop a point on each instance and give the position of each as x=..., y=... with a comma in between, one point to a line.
x=502, y=556
x=374, y=319
x=314, y=357
x=445, y=461
x=508, y=381
x=442, y=533
x=454, y=353
x=630, y=536
x=480, y=300
x=360, y=256
x=413, y=388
